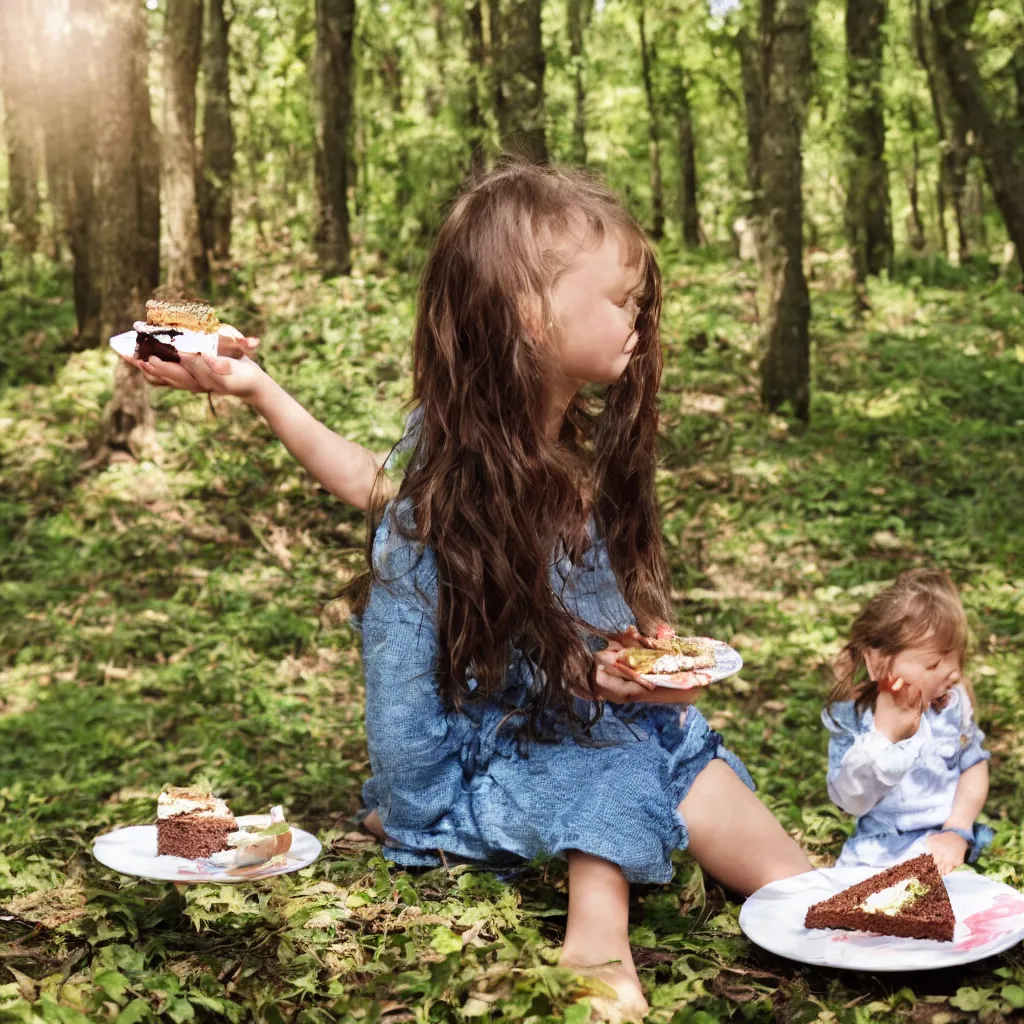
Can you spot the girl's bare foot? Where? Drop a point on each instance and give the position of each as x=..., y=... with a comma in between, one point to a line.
x=629, y=1003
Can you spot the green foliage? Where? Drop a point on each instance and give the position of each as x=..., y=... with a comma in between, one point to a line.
x=167, y=619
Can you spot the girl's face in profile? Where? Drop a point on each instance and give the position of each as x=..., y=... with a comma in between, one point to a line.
x=595, y=306
x=929, y=670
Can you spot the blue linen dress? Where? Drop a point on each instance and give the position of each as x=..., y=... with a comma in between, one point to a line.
x=900, y=793
x=459, y=783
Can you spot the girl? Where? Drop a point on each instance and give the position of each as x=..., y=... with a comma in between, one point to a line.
x=905, y=756
x=521, y=550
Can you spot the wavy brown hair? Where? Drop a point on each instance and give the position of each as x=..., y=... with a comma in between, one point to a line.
x=921, y=605
x=490, y=493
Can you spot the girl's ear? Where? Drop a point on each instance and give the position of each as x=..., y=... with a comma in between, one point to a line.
x=876, y=663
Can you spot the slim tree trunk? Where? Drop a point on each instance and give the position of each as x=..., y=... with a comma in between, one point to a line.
x=1018, y=81
x=125, y=237
x=916, y=227
x=952, y=127
x=868, y=209
x=21, y=122
x=477, y=76
x=187, y=268
x=754, y=104
x=653, y=133
x=579, y=14
x=520, y=64
x=215, y=204
x=999, y=141
x=689, y=216
x=785, y=70
x=335, y=28
x=79, y=146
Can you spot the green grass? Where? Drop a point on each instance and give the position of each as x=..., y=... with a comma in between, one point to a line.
x=179, y=617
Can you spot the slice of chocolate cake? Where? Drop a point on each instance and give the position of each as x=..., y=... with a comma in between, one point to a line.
x=908, y=900
x=191, y=822
x=148, y=343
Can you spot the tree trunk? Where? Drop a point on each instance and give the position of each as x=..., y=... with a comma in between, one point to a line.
x=754, y=104
x=79, y=145
x=785, y=69
x=215, y=203
x=916, y=224
x=653, y=133
x=999, y=142
x=187, y=268
x=126, y=235
x=689, y=217
x=519, y=80
x=21, y=126
x=1018, y=81
x=579, y=13
x=868, y=209
x=335, y=28
x=477, y=77
x=951, y=125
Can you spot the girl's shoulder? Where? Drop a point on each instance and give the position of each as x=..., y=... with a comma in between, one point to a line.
x=842, y=718
x=398, y=557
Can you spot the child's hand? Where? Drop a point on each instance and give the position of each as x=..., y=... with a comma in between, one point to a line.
x=617, y=683
x=231, y=372
x=948, y=849
x=898, y=711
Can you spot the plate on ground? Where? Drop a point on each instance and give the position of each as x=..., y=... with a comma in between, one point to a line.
x=132, y=851
x=989, y=919
x=727, y=663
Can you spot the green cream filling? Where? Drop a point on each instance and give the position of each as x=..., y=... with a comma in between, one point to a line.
x=894, y=899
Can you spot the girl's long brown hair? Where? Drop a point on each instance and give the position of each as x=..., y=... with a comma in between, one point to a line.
x=921, y=605
x=489, y=492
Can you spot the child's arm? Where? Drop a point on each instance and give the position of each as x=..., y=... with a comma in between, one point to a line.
x=346, y=469
x=863, y=767
x=949, y=848
x=969, y=798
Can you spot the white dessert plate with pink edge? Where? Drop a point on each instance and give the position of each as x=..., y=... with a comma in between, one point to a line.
x=132, y=851
x=727, y=663
x=989, y=919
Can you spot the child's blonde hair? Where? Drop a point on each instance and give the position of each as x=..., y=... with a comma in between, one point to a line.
x=922, y=604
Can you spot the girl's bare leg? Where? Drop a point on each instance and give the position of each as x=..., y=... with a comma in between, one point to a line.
x=733, y=836
x=597, y=934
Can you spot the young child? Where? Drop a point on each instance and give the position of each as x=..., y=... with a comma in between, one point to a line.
x=523, y=538
x=905, y=756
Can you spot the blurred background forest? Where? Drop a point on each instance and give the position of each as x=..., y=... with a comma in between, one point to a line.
x=836, y=191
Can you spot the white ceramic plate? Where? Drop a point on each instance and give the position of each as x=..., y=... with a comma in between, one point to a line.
x=989, y=919
x=132, y=851
x=727, y=663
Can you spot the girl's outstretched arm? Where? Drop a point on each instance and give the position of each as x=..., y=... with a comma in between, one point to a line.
x=346, y=469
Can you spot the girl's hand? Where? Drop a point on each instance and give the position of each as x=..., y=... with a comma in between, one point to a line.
x=948, y=849
x=898, y=711
x=231, y=372
x=616, y=683
x=619, y=684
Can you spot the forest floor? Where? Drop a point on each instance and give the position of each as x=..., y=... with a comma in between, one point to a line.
x=178, y=616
